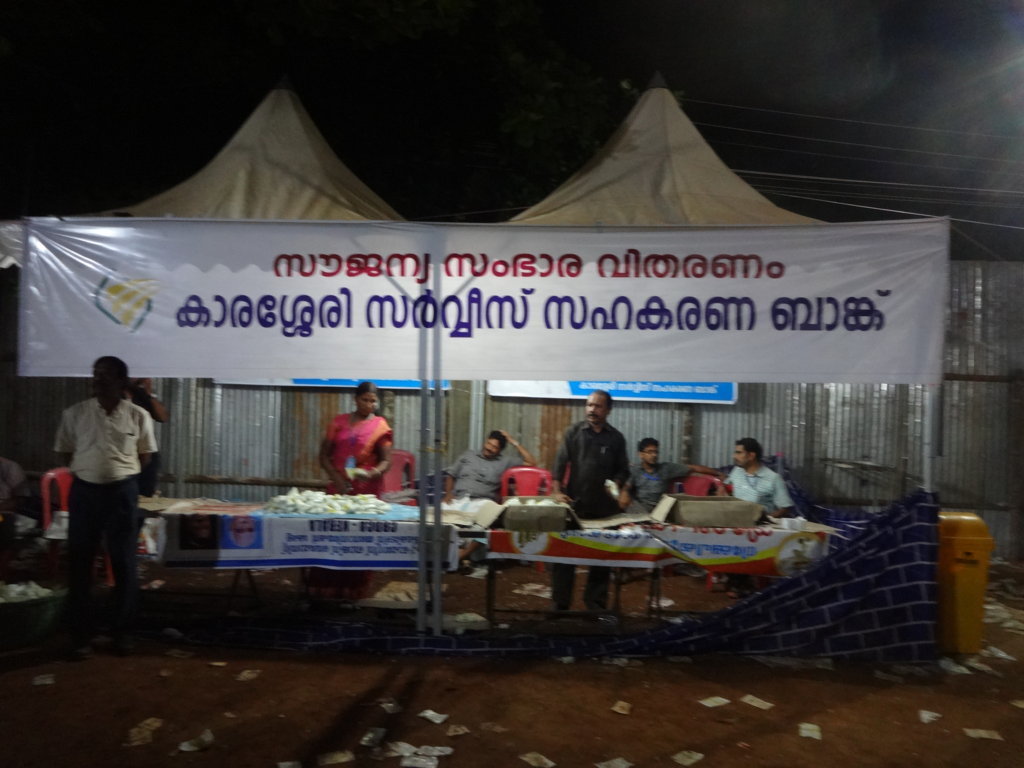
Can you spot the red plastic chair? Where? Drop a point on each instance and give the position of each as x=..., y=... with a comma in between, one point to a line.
x=63, y=478
x=402, y=472
x=529, y=481
x=699, y=485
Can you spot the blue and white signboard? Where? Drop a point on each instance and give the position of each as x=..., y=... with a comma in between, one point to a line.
x=336, y=383
x=711, y=392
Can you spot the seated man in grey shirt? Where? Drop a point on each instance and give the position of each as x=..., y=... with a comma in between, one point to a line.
x=477, y=474
x=476, y=477
x=649, y=479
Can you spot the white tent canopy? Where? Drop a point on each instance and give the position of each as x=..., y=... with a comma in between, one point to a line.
x=656, y=170
x=277, y=166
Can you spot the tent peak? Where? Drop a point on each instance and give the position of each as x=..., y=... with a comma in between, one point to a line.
x=657, y=81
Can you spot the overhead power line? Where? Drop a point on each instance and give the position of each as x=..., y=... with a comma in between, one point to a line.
x=926, y=152
x=854, y=158
x=853, y=121
x=896, y=210
x=867, y=182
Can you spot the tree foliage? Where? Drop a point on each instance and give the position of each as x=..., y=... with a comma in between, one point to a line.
x=444, y=107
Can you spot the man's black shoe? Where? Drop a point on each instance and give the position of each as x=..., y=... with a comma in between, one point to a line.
x=81, y=653
x=123, y=646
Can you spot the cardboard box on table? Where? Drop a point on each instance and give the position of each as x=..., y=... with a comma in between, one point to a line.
x=706, y=511
x=524, y=513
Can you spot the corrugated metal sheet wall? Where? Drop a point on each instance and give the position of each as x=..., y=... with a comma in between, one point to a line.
x=851, y=443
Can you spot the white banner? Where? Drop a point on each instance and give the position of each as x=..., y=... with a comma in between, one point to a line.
x=296, y=541
x=183, y=298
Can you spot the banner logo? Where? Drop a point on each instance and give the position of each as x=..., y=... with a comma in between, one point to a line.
x=126, y=303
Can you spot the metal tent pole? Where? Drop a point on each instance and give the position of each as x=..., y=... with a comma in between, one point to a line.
x=437, y=572
x=928, y=439
x=421, y=571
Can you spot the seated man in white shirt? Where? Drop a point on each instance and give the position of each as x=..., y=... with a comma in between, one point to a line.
x=752, y=481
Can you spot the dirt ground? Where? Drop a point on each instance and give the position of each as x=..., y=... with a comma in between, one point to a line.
x=302, y=707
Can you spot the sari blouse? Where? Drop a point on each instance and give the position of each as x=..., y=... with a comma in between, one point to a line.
x=363, y=441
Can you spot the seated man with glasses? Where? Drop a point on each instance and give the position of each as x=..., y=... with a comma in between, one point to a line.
x=649, y=480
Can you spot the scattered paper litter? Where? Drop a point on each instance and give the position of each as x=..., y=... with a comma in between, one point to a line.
x=216, y=663
x=289, y=764
x=880, y=675
x=927, y=717
x=478, y=573
x=143, y=732
x=994, y=653
x=199, y=743
x=566, y=659
x=48, y=679
x=177, y=653
x=1019, y=703
x=230, y=715
x=432, y=716
x=911, y=670
x=456, y=730
x=980, y=666
x=434, y=751
x=248, y=674
x=400, y=749
x=789, y=662
x=714, y=701
x=418, y=761
x=622, y=707
x=754, y=701
x=390, y=705
x=810, y=731
x=495, y=728
x=617, y=661
x=373, y=737
x=687, y=757
x=981, y=733
x=536, y=590
x=950, y=666
x=164, y=673
x=468, y=618
x=537, y=760
x=618, y=762
x=335, y=758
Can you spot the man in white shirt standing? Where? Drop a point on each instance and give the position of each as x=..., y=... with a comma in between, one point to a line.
x=105, y=441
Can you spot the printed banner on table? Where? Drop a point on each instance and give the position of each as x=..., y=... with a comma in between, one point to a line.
x=763, y=551
x=201, y=540
x=858, y=302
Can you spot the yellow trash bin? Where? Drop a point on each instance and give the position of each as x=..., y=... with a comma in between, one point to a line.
x=964, y=549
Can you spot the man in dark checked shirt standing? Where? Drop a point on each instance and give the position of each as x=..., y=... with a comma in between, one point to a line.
x=593, y=451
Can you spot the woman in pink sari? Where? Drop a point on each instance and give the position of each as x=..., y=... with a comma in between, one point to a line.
x=360, y=441
x=362, y=436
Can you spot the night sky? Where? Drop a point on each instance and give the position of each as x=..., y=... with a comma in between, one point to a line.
x=451, y=111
